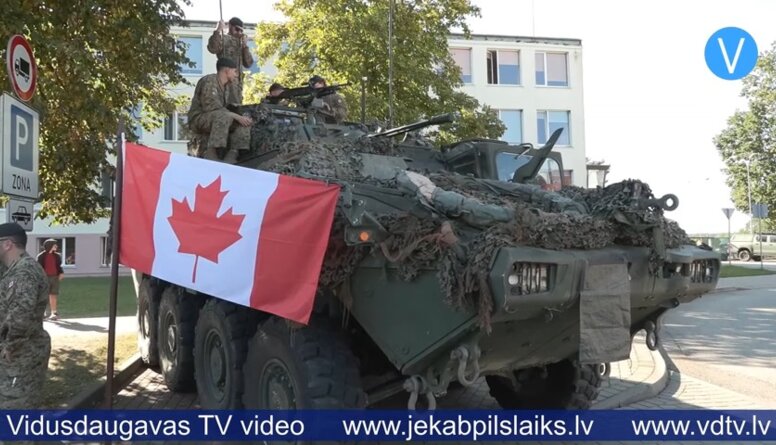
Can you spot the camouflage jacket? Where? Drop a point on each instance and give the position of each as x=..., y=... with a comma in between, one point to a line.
x=209, y=96
x=229, y=46
x=23, y=297
x=338, y=108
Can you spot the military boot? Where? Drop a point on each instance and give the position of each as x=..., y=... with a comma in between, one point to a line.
x=212, y=154
x=231, y=156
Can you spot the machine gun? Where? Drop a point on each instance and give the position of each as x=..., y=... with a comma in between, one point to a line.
x=305, y=95
x=435, y=120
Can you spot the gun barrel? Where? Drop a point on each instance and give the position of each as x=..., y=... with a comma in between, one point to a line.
x=435, y=120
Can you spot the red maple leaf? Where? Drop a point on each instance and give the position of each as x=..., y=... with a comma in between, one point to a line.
x=200, y=231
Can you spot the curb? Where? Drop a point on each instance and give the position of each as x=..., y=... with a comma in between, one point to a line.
x=651, y=386
x=95, y=394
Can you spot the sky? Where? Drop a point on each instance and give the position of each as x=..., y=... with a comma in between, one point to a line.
x=652, y=106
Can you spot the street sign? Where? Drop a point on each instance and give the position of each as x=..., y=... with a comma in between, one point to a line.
x=20, y=212
x=22, y=69
x=760, y=210
x=728, y=213
x=19, y=148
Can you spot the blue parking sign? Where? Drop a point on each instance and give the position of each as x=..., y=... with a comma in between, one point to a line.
x=21, y=138
x=18, y=148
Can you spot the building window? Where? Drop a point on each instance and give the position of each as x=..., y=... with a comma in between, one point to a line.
x=503, y=67
x=549, y=121
x=105, y=247
x=463, y=58
x=568, y=177
x=513, y=119
x=552, y=69
x=193, y=53
x=175, y=127
x=65, y=247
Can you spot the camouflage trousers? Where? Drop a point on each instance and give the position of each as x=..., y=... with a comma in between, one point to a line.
x=22, y=377
x=222, y=130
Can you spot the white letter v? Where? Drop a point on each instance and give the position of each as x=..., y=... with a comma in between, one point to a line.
x=730, y=67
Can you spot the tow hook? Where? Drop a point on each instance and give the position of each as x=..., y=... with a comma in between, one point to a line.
x=461, y=354
x=417, y=385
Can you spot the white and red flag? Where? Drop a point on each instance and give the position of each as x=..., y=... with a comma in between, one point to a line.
x=251, y=237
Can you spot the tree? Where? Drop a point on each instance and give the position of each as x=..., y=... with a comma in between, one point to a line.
x=748, y=143
x=347, y=40
x=98, y=60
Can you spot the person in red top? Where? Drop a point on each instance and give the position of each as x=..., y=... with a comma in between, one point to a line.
x=51, y=262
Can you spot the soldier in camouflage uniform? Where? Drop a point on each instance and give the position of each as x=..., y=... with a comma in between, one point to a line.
x=25, y=346
x=209, y=115
x=335, y=108
x=233, y=46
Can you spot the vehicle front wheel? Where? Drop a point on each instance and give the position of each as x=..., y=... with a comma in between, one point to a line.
x=562, y=385
x=177, y=319
x=147, y=310
x=744, y=255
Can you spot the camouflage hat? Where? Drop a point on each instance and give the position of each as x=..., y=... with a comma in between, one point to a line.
x=234, y=21
x=276, y=86
x=315, y=79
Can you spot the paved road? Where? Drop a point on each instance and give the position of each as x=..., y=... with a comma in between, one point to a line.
x=728, y=338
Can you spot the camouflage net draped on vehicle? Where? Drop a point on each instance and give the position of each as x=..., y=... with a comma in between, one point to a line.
x=486, y=214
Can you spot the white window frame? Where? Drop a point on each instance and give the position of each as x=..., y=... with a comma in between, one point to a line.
x=471, y=67
x=175, y=130
x=497, y=75
x=546, y=75
x=547, y=132
x=105, y=260
x=62, y=251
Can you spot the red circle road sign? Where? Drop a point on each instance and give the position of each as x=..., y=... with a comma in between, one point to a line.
x=22, y=69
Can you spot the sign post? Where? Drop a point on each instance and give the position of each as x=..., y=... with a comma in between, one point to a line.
x=728, y=213
x=19, y=131
x=760, y=211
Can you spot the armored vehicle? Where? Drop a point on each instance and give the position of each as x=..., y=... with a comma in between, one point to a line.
x=445, y=264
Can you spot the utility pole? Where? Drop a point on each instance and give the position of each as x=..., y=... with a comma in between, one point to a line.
x=390, y=64
x=363, y=99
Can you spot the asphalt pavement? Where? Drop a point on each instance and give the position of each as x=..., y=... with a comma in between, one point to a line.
x=727, y=338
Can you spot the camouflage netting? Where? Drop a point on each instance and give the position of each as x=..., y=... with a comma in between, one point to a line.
x=459, y=249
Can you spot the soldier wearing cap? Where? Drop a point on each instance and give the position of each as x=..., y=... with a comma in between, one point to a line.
x=209, y=115
x=25, y=346
x=234, y=46
x=335, y=108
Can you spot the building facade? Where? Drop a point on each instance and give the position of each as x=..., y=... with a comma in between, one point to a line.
x=535, y=84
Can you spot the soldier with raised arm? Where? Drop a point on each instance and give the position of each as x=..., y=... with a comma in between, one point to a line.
x=233, y=46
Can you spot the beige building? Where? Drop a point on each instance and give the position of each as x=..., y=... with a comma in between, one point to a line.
x=534, y=83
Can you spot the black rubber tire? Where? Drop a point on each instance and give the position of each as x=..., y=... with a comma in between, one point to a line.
x=177, y=320
x=567, y=385
x=317, y=363
x=223, y=328
x=744, y=255
x=147, y=310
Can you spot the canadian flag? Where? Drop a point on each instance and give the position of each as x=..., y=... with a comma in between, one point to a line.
x=251, y=237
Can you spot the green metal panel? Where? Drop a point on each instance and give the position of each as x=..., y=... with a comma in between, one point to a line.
x=403, y=318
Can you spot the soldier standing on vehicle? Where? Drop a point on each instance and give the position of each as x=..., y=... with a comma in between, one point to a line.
x=25, y=346
x=234, y=46
x=209, y=115
x=334, y=105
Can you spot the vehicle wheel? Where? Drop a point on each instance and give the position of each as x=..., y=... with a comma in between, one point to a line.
x=744, y=255
x=177, y=319
x=565, y=385
x=307, y=368
x=147, y=323
x=220, y=344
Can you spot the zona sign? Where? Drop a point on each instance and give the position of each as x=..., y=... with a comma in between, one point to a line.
x=21, y=66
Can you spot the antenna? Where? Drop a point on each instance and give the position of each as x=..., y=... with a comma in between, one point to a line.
x=390, y=64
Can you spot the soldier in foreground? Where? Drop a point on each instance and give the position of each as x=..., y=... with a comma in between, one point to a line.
x=208, y=114
x=233, y=46
x=334, y=105
x=25, y=346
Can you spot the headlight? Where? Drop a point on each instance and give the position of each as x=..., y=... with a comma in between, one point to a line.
x=529, y=278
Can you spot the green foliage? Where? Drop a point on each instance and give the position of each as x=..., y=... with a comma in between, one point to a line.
x=347, y=41
x=97, y=60
x=750, y=139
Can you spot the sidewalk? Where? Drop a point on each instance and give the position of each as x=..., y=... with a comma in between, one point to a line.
x=744, y=283
x=88, y=326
